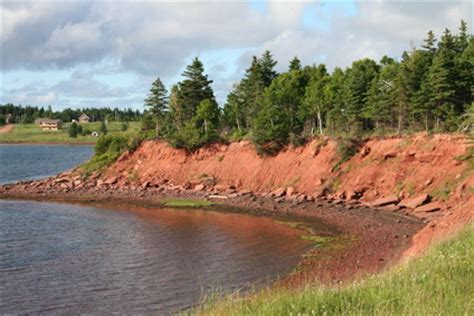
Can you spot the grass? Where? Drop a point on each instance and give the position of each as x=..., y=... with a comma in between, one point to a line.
x=439, y=283
x=186, y=203
x=31, y=133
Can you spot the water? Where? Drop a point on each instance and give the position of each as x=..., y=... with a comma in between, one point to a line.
x=58, y=258
x=63, y=258
x=28, y=162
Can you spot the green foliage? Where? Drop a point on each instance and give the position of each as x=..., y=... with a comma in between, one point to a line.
x=72, y=130
x=440, y=283
x=191, y=203
x=124, y=126
x=103, y=128
x=346, y=148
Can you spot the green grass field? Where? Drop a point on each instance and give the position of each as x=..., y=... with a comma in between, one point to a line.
x=31, y=133
x=439, y=283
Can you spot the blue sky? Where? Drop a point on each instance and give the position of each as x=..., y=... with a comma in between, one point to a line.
x=79, y=53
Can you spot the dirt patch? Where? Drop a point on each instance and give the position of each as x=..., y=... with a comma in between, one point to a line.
x=6, y=128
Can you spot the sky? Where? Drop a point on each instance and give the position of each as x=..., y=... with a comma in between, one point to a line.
x=107, y=53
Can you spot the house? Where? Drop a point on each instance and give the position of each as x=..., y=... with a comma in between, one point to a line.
x=47, y=124
x=84, y=118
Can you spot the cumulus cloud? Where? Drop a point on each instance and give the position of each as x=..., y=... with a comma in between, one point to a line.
x=152, y=39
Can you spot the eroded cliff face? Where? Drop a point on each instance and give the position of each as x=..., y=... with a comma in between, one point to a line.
x=387, y=173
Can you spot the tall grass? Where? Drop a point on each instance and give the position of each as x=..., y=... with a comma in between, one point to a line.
x=439, y=283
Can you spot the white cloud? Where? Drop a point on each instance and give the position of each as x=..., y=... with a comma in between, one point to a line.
x=158, y=38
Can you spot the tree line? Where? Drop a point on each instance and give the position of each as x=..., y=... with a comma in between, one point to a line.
x=28, y=114
x=430, y=88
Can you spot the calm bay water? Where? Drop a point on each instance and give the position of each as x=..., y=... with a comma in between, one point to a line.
x=63, y=258
x=28, y=162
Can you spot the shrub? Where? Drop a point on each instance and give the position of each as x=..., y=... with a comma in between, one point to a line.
x=346, y=148
x=72, y=130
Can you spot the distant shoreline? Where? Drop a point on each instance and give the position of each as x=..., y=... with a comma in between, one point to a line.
x=20, y=142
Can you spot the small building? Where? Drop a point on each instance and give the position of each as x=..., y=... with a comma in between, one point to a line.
x=47, y=124
x=84, y=118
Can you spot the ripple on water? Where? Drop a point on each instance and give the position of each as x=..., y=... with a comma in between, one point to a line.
x=61, y=258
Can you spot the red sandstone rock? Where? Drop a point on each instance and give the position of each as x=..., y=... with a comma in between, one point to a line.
x=391, y=199
x=278, y=193
x=199, y=187
x=431, y=207
x=415, y=202
x=290, y=190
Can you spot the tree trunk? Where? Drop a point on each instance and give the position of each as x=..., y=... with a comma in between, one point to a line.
x=157, y=128
x=320, y=123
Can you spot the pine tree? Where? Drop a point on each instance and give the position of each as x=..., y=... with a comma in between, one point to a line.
x=295, y=64
x=72, y=130
x=195, y=88
x=157, y=102
x=268, y=64
x=207, y=119
x=442, y=84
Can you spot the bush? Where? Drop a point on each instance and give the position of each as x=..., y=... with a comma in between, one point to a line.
x=346, y=148
x=72, y=130
x=124, y=127
x=103, y=128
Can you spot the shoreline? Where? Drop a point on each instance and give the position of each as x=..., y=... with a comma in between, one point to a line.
x=350, y=241
x=45, y=143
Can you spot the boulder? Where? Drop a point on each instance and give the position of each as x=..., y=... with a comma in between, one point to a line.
x=290, y=191
x=278, y=193
x=387, y=200
x=111, y=180
x=199, y=187
x=415, y=202
x=390, y=154
x=430, y=207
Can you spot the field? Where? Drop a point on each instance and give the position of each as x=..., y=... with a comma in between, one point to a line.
x=31, y=133
x=440, y=283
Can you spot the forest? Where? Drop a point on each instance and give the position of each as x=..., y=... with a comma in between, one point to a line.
x=28, y=114
x=429, y=89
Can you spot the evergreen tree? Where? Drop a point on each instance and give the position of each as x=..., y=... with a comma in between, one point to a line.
x=195, y=88
x=103, y=128
x=267, y=64
x=382, y=95
x=295, y=64
x=207, y=119
x=357, y=85
x=72, y=130
x=157, y=102
x=442, y=84
x=335, y=102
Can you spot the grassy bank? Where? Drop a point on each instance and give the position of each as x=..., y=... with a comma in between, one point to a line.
x=31, y=133
x=440, y=283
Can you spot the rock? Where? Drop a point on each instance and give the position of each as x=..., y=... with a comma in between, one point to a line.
x=290, y=191
x=278, y=193
x=245, y=192
x=220, y=197
x=430, y=207
x=390, y=154
x=364, y=151
x=415, y=202
x=112, y=180
x=428, y=182
x=145, y=184
x=318, y=181
x=77, y=182
x=352, y=195
x=233, y=195
x=391, y=199
x=221, y=187
x=99, y=182
x=391, y=208
x=199, y=187
x=301, y=198
x=280, y=200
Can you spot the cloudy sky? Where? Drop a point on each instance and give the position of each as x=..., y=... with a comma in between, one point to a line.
x=84, y=53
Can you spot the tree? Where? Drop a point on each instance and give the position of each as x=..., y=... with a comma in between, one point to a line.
x=157, y=102
x=382, y=95
x=195, y=88
x=442, y=83
x=315, y=105
x=72, y=130
x=295, y=64
x=207, y=119
x=267, y=64
x=103, y=128
x=357, y=84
